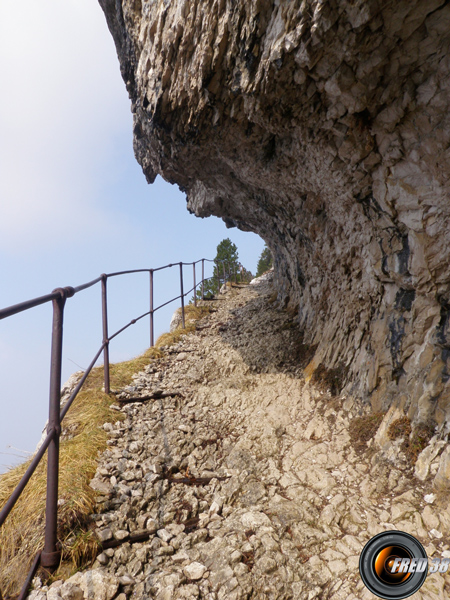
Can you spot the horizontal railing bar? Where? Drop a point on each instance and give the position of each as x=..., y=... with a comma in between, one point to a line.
x=165, y=267
x=191, y=290
x=128, y=272
x=161, y=268
x=17, y=308
x=84, y=286
x=26, y=477
x=132, y=322
x=166, y=303
x=80, y=383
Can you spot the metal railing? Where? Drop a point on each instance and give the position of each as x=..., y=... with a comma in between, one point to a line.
x=50, y=556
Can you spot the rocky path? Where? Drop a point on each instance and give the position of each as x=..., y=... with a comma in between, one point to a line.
x=245, y=478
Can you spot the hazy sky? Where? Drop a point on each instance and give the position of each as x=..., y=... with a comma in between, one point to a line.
x=74, y=203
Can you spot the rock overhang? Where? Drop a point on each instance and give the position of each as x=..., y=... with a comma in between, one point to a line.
x=324, y=127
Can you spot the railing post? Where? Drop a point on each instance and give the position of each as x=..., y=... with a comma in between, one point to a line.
x=182, y=295
x=51, y=557
x=195, y=287
x=203, y=278
x=152, y=330
x=218, y=278
x=224, y=276
x=105, y=334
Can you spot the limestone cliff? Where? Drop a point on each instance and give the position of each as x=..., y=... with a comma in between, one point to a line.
x=323, y=126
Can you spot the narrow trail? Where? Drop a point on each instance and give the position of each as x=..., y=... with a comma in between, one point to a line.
x=245, y=477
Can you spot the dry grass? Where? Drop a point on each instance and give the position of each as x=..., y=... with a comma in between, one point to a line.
x=414, y=440
x=21, y=537
x=362, y=429
x=399, y=428
x=330, y=380
x=191, y=315
x=22, y=534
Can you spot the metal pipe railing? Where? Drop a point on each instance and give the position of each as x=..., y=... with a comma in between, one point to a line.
x=203, y=278
x=104, y=279
x=50, y=556
x=195, y=286
x=152, y=329
x=182, y=295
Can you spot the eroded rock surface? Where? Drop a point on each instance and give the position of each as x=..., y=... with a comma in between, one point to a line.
x=324, y=127
x=247, y=481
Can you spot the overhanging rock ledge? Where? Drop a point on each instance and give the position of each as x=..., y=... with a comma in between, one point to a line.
x=325, y=128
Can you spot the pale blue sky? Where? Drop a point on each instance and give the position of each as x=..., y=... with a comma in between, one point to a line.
x=74, y=203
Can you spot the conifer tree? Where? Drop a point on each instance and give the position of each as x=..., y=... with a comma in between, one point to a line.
x=265, y=261
x=226, y=254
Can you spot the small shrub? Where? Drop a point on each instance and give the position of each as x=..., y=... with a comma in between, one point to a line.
x=415, y=440
x=362, y=429
x=331, y=380
x=421, y=435
x=399, y=428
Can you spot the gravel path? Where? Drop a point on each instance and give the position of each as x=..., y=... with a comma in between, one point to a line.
x=245, y=479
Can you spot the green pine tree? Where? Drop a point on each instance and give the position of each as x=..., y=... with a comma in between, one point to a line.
x=226, y=256
x=265, y=261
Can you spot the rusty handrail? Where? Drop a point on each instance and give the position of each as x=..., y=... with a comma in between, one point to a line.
x=17, y=308
x=50, y=556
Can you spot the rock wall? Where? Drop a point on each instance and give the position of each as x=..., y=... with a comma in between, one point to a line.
x=325, y=128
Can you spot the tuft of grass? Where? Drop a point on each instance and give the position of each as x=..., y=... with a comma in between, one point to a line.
x=415, y=440
x=419, y=439
x=362, y=429
x=169, y=339
x=331, y=380
x=191, y=315
x=399, y=428
x=83, y=440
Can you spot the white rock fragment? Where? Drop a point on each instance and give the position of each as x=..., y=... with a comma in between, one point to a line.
x=104, y=534
x=95, y=584
x=253, y=520
x=180, y=557
x=194, y=571
x=165, y=535
x=70, y=591
x=435, y=533
x=104, y=487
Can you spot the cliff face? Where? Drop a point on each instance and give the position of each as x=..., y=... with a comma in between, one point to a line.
x=325, y=128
